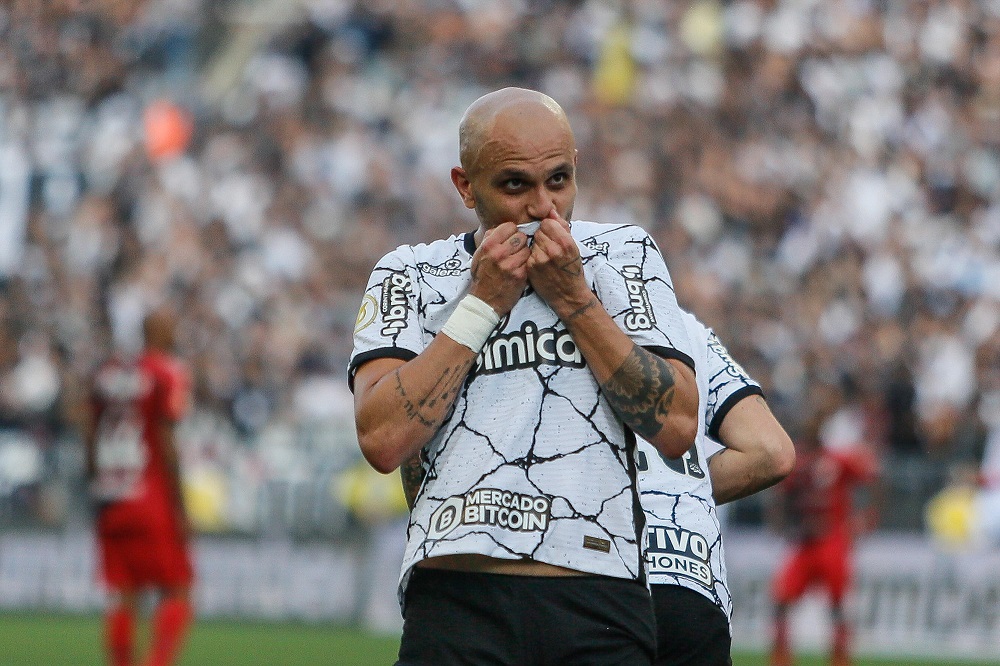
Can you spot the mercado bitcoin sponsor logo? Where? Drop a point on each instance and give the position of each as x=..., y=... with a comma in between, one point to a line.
x=640, y=314
x=676, y=552
x=493, y=507
x=529, y=347
x=395, y=307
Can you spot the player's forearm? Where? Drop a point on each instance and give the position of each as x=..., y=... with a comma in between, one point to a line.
x=759, y=452
x=403, y=410
x=656, y=397
x=736, y=474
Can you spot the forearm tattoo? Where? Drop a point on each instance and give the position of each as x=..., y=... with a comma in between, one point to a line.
x=580, y=310
x=641, y=391
x=412, y=474
x=430, y=409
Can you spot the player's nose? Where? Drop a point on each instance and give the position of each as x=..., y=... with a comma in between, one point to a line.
x=540, y=203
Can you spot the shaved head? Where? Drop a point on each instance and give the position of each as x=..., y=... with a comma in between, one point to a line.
x=511, y=108
x=518, y=158
x=158, y=329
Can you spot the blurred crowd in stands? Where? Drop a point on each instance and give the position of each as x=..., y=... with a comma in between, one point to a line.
x=822, y=176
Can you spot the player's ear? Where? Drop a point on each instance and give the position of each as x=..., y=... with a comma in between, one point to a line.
x=461, y=180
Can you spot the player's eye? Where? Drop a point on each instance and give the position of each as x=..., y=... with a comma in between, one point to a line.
x=559, y=179
x=513, y=184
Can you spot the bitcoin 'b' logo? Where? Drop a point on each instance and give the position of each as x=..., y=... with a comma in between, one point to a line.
x=446, y=517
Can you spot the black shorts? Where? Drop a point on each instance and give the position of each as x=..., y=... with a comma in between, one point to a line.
x=690, y=629
x=479, y=619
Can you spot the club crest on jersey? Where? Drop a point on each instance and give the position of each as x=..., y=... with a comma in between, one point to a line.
x=676, y=552
x=640, y=314
x=366, y=314
x=451, y=267
x=493, y=507
x=395, y=305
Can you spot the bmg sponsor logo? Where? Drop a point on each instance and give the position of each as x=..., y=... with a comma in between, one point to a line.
x=640, y=315
x=492, y=507
x=677, y=552
x=395, y=305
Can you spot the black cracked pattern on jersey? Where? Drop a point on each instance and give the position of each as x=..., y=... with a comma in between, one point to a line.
x=529, y=459
x=668, y=517
x=729, y=379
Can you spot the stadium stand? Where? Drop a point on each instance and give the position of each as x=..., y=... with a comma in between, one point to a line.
x=822, y=177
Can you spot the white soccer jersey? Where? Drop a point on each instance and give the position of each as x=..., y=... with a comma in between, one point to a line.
x=685, y=540
x=532, y=462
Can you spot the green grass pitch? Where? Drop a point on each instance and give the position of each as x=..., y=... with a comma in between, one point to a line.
x=44, y=640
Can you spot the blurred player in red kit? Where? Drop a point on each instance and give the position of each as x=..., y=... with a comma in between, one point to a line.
x=819, y=516
x=133, y=468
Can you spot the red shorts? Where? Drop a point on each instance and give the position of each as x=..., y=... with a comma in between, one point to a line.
x=825, y=562
x=141, y=545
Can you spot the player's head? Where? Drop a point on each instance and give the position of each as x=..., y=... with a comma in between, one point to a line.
x=518, y=158
x=158, y=329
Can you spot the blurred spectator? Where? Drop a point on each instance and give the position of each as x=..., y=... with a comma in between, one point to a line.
x=822, y=177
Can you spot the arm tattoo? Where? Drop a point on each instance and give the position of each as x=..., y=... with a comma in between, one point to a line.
x=412, y=474
x=580, y=310
x=442, y=393
x=641, y=391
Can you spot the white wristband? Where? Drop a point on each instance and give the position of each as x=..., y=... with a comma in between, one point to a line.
x=471, y=323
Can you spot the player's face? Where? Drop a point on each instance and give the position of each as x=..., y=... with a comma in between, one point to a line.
x=526, y=166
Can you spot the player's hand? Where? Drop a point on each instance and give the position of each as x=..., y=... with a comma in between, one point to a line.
x=500, y=267
x=555, y=269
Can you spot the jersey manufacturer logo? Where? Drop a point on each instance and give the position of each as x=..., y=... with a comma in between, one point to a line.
x=640, y=315
x=529, y=347
x=677, y=552
x=493, y=507
x=366, y=315
x=395, y=308
x=451, y=267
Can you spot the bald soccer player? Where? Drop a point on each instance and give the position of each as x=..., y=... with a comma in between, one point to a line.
x=519, y=361
x=134, y=472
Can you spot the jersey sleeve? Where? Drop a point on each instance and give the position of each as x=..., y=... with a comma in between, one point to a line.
x=728, y=383
x=387, y=325
x=635, y=287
